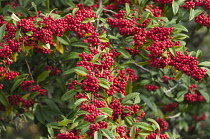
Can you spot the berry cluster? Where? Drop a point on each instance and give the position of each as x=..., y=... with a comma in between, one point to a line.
x=192, y=98
x=199, y=118
x=153, y=136
x=53, y=71
x=166, y=78
x=151, y=87
x=163, y=1
x=69, y=135
x=170, y=107
x=162, y=123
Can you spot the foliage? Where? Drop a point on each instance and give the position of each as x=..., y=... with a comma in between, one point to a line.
x=103, y=69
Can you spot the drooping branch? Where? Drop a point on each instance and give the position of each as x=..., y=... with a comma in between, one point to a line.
x=141, y=67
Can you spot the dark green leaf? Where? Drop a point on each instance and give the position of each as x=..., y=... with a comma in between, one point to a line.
x=78, y=102
x=43, y=76
x=205, y=95
x=124, y=53
x=80, y=44
x=149, y=103
x=173, y=51
x=52, y=105
x=129, y=97
x=2, y=31
x=3, y=99
x=100, y=118
x=39, y=114
x=107, y=111
x=107, y=133
x=144, y=125
x=68, y=95
x=129, y=87
x=16, y=84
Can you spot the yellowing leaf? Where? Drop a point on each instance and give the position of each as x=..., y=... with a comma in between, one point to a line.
x=81, y=73
x=14, y=56
x=26, y=95
x=9, y=110
x=59, y=47
x=88, y=34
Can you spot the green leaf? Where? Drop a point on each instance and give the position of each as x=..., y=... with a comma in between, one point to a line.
x=50, y=130
x=149, y=103
x=133, y=132
x=154, y=122
x=113, y=37
x=192, y=14
x=97, y=135
x=107, y=133
x=144, y=82
x=199, y=54
x=83, y=124
x=129, y=97
x=143, y=63
x=144, y=125
x=107, y=111
x=39, y=114
x=64, y=40
x=52, y=105
x=127, y=9
x=128, y=88
x=72, y=55
x=100, y=118
x=43, y=76
x=80, y=44
x=175, y=7
x=99, y=11
x=78, y=102
x=198, y=12
x=35, y=7
x=206, y=63
x=129, y=121
x=64, y=122
x=104, y=83
x=173, y=51
x=2, y=32
x=205, y=95
x=69, y=94
x=180, y=27
x=3, y=99
x=74, y=11
x=124, y=53
x=16, y=84
x=81, y=71
x=81, y=112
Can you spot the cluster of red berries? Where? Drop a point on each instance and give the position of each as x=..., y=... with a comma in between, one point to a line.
x=162, y=123
x=196, y=97
x=163, y=1
x=97, y=126
x=53, y=71
x=170, y=107
x=199, y=118
x=151, y=87
x=14, y=99
x=166, y=78
x=153, y=136
x=25, y=85
x=69, y=135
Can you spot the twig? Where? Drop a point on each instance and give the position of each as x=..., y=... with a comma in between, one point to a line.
x=109, y=11
x=100, y=6
x=29, y=69
x=141, y=67
x=169, y=90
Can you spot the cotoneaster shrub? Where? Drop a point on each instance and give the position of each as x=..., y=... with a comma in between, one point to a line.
x=102, y=69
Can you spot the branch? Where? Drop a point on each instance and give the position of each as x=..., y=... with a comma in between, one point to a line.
x=109, y=11
x=100, y=6
x=29, y=69
x=169, y=90
x=141, y=67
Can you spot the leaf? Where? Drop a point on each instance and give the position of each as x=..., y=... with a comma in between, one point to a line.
x=52, y=105
x=192, y=14
x=129, y=121
x=143, y=63
x=199, y=54
x=9, y=110
x=74, y=11
x=35, y=7
x=124, y=53
x=3, y=99
x=129, y=97
x=59, y=47
x=81, y=112
x=180, y=27
x=127, y=9
x=154, y=122
x=174, y=116
x=50, y=130
x=16, y=84
x=46, y=46
x=80, y=44
x=175, y=7
x=178, y=75
x=64, y=40
x=78, y=102
x=149, y=103
x=39, y=114
x=205, y=95
x=81, y=71
x=100, y=118
x=206, y=63
x=173, y=51
x=14, y=17
x=43, y=76
x=97, y=135
x=72, y=55
x=107, y=111
x=113, y=37
x=14, y=56
x=144, y=82
x=107, y=133
x=69, y=94
x=198, y=12
x=2, y=31
x=83, y=124
x=144, y=125
x=99, y=11
x=128, y=88
x=104, y=83
x=133, y=132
